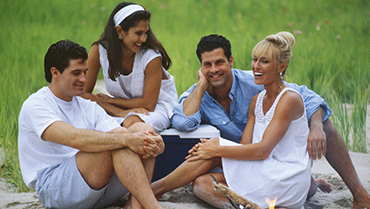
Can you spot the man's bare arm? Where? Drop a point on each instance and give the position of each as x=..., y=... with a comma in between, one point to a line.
x=316, y=143
x=96, y=141
x=193, y=101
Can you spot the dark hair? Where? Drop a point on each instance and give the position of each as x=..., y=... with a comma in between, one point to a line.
x=109, y=40
x=212, y=42
x=59, y=55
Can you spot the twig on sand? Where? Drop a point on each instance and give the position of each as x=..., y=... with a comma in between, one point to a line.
x=236, y=200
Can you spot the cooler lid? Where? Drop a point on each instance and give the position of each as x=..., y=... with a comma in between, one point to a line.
x=203, y=131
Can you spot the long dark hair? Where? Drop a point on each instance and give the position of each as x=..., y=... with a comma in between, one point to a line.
x=109, y=40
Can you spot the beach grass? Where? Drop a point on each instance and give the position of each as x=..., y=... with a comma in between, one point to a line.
x=331, y=55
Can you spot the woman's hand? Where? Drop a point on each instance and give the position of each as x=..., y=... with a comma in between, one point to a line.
x=104, y=97
x=123, y=113
x=205, y=149
x=140, y=110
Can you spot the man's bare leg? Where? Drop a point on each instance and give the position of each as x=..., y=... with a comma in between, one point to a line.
x=99, y=177
x=148, y=163
x=338, y=157
x=97, y=169
x=324, y=185
x=131, y=172
x=321, y=184
x=183, y=175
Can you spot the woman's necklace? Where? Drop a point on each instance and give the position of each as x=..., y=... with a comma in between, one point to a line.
x=269, y=99
x=275, y=93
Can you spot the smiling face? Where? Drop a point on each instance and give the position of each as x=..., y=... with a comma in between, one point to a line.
x=71, y=82
x=135, y=36
x=265, y=68
x=217, y=68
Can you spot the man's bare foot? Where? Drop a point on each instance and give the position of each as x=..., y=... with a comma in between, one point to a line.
x=324, y=185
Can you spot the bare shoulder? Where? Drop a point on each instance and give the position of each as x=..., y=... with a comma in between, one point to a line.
x=93, y=57
x=154, y=66
x=254, y=98
x=293, y=97
x=253, y=102
x=94, y=48
x=155, y=62
x=291, y=103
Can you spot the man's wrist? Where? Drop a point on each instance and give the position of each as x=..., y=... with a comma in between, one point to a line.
x=122, y=139
x=316, y=124
x=203, y=85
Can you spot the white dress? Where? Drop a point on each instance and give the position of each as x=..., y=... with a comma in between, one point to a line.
x=284, y=175
x=131, y=86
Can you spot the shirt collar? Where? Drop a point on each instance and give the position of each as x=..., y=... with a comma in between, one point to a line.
x=234, y=86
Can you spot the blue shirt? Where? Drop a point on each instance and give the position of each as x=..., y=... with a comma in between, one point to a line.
x=232, y=125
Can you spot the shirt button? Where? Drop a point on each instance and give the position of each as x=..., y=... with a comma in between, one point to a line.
x=224, y=122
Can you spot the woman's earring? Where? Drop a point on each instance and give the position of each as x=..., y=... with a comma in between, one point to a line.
x=281, y=76
x=120, y=37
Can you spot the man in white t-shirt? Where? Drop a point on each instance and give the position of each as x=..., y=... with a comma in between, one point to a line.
x=72, y=152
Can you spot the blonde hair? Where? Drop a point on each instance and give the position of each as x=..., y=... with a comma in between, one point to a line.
x=277, y=45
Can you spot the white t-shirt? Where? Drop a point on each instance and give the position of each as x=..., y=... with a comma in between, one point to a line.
x=38, y=112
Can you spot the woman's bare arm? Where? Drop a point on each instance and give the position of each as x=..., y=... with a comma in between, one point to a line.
x=152, y=85
x=93, y=65
x=289, y=108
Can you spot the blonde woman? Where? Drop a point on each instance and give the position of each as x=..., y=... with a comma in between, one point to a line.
x=272, y=159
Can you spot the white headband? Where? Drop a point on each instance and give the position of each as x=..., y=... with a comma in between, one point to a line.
x=125, y=12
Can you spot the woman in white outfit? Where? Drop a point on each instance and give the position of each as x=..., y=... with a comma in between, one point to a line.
x=134, y=65
x=272, y=159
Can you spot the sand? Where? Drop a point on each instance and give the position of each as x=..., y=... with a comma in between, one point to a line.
x=183, y=198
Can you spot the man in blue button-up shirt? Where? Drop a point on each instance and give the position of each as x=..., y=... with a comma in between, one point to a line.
x=231, y=124
x=221, y=98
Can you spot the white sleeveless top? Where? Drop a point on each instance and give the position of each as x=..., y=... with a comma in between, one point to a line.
x=285, y=174
x=132, y=85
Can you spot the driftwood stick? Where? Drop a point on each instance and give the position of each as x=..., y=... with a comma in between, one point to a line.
x=235, y=199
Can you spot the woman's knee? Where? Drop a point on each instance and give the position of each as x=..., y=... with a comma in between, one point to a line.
x=140, y=126
x=206, y=182
x=202, y=184
x=203, y=188
x=131, y=120
x=202, y=180
x=159, y=121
